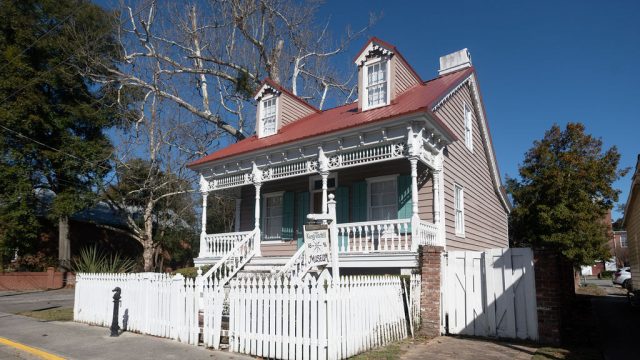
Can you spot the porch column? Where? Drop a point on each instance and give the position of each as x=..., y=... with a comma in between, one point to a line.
x=236, y=221
x=438, y=203
x=323, y=169
x=414, y=186
x=203, y=233
x=256, y=174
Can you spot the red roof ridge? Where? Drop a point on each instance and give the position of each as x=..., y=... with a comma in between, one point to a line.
x=280, y=88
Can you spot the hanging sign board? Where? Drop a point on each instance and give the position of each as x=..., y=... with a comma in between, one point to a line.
x=316, y=242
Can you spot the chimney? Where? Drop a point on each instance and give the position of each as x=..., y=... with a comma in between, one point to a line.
x=455, y=61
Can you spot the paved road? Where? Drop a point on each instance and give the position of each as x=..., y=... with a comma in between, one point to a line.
x=15, y=302
x=78, y=341
x=619, y=327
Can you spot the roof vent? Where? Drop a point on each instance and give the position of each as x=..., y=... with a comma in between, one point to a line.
x=455, y=61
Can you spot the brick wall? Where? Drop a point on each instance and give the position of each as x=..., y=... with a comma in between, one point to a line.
x=430, y=294
x=554, y=290
x=49, y=279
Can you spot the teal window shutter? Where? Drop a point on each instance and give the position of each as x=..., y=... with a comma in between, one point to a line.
x=342, y=204
x=359, y=201
x=302, y=210
x=342, y=212
x=404, y=197
x=287, y=215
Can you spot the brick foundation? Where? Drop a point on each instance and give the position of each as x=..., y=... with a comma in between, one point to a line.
x=554, y=290
x=430, y=257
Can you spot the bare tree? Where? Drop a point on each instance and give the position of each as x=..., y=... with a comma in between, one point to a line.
x=211, y=55
x=183, y=63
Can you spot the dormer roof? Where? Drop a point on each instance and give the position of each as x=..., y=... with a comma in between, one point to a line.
x=375, y=44
x=269, y=84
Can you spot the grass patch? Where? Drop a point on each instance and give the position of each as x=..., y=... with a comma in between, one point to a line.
x=56, y=314
x=551, y=353
x=591, y=289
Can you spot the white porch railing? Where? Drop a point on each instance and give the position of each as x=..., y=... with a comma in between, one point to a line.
x=426, y=234
x=218, y=245
x=365, y=237
x=375, y=236
x=296, y=267
x=233, y=260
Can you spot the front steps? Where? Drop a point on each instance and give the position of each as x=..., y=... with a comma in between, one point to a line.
x=263, y=265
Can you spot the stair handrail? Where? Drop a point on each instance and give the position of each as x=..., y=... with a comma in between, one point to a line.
x=295, y=265
x=237, y=255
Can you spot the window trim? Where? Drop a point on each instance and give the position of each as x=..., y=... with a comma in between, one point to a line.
x=261, y=132
x=460, y=188
x=263, y=213
x=365, y=82
x=468, y=131
x=383, y=178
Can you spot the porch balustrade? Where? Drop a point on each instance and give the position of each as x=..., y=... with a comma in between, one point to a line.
x=375, y=236
x=218, y=245
x=357, y=237
x=426, y=234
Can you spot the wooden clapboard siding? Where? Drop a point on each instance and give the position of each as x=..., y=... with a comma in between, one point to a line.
x=346, y=177
x=403, y=78
x=291, y=110
x=485, y=217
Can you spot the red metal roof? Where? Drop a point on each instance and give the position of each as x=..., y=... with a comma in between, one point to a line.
x=420, y=98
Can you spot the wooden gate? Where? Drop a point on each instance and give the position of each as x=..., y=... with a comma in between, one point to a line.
x=490, y=293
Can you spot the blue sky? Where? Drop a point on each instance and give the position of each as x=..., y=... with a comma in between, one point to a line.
x=538, y=63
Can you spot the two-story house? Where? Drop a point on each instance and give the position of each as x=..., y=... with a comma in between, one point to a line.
x=410, y=163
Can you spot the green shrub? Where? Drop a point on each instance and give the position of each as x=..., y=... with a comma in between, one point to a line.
x=92, y=261
x=606, y=274
x=191, y=272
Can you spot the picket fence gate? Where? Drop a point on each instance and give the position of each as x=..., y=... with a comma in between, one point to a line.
x=490, y=293
x=152, y=303
x=309, y=318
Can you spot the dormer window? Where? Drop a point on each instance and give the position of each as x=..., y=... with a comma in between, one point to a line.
x=376, y=83
x=268, y=116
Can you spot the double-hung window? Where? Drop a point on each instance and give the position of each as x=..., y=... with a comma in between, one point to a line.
x=268, y=116
x=377, y=84
x=623, y=240
x=273, y=216
x=458, y=199
x=383, y=198
x=468, y=127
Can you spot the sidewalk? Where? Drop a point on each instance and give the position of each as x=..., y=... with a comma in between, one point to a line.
x=78, y=341
x=448, y=347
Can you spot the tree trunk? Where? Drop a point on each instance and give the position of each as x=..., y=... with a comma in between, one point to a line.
x=148, y=248
x=64, y=244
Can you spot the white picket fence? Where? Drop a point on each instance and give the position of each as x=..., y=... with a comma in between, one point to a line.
x=280, y=317
x=151, y=303
x=415, y=287
x=314, y=319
